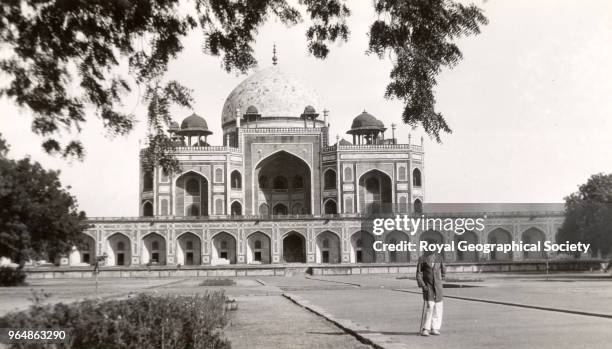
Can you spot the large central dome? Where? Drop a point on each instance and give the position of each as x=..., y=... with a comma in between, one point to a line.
x=273, y=93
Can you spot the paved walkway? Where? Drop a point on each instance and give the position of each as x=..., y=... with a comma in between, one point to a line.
x=276, y=322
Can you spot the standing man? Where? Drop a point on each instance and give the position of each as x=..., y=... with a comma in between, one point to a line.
x=429, y=275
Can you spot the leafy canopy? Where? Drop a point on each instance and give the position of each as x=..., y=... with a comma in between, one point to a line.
x=66, y=55
x=38, y=218
x=588, y=215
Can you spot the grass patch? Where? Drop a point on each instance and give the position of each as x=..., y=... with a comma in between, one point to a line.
x=218, y=282
x=144, y=321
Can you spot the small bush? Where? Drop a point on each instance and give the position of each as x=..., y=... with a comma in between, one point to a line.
x=12, y=276
x=218, y=282
x=141, y=322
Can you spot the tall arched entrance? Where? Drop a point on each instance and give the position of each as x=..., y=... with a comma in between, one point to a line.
x=375, y=192
x=119, y=249
x=466, y=256
x=188, y=251
x=294, y=248
x=328, y=248
x=284, y=180
x=224, y=249
x=396, y=237
x=191, y=195
x=153, y=249
x=500, y=236
x=362, y=247
x=258, y=248
x=533, y=236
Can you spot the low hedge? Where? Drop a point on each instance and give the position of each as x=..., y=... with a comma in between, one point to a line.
x=12, y=276
x=141, y=322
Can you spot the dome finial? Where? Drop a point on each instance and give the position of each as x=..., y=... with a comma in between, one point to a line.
x=274, y=59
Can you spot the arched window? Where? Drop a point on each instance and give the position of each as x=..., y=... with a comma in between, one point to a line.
x=329, y=179
x=224, y=244
x=418, y=206
x=263, y=182
x=280, y=209
x=279, y=183
x=236, y=180
x=263, y=209
x=236, y=208
x=326, y=243
x=218, y=175
x=298, y=182
x=348, y=174
x=189, y=245
x=192, y=187
x=297, y=208
x=147, y=181
x=147, y=209
x=258, y=244
x=416, y=177
x=331, y=207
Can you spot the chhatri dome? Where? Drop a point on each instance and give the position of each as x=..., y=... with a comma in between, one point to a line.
x=273, y=93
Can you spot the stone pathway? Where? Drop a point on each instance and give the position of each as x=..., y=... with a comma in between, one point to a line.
x=276, y=322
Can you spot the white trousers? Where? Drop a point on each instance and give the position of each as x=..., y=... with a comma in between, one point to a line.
x=433, y=315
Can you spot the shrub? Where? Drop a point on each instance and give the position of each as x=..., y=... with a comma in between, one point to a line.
x=218, y=282
x=12, y=276
x=141, y=322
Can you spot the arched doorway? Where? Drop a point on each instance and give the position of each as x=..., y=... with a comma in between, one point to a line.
x=470, y=238
x=236, y=208
x=375, y=193
x=153, y=249
x=188, y=251
x=191, y=195
x=328, y=248
x=280, y=210
x=396, y=237
x=500, y=236
x=236, y=180
x=329, y=180
x=294, y=248
x=285, y=179
x=147, y=209
x=418, y=206
x=362, y=247
x=224, y=249
x=258, y=248
x=330, y=206
x=533, y=236
x=119, y=249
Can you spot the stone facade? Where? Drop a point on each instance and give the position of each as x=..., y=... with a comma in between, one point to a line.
x=277, y=191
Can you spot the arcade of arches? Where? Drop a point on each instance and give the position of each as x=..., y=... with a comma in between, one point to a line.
x=326, y=246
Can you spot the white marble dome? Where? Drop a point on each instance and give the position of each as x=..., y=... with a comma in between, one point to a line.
x=273, y=93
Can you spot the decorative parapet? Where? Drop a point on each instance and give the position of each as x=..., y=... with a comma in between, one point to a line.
x=411, y=147
x=210, y=149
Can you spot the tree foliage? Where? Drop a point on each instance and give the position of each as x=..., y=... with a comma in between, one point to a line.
x=588, y=215
x=38, y=218
x=66, y=54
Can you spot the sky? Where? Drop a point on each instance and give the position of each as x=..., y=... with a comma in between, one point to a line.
x=530, y=106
